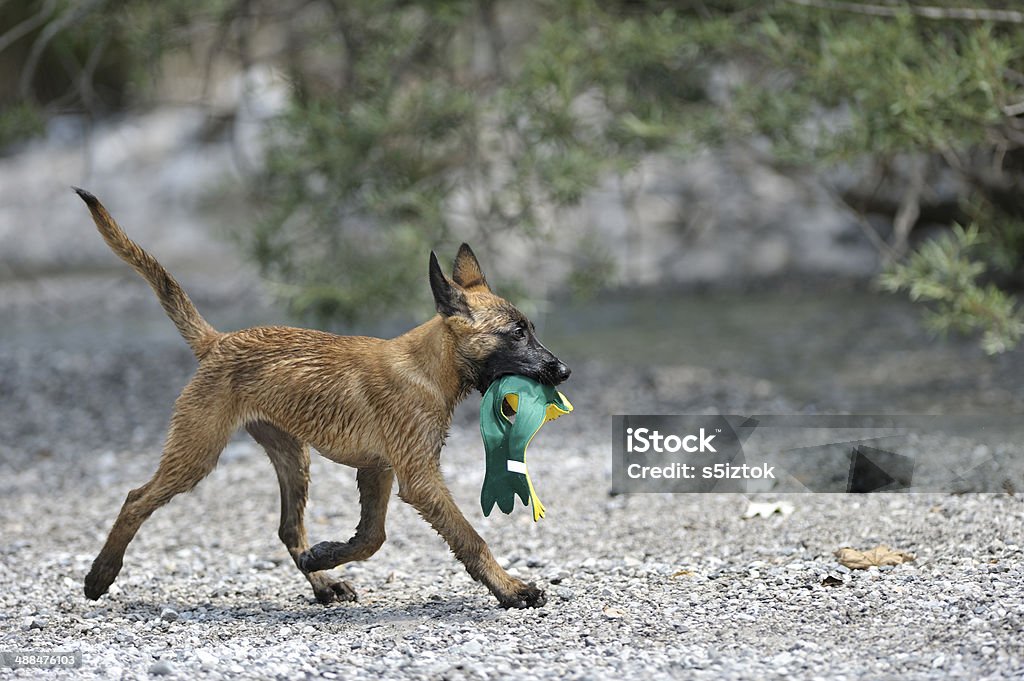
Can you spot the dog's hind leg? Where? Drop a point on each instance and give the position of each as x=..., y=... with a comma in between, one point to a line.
x=291, y=462
x=374, y=492
x=199, y=431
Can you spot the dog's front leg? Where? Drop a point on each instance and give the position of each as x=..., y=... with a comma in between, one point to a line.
x=421, y=485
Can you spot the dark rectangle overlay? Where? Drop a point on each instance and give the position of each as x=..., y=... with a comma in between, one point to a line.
x=817, y=453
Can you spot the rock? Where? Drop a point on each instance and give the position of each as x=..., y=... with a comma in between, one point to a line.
x=782, y=659
x=473, y=647
x=161, y=668
x=169, y=615
x=206, y=658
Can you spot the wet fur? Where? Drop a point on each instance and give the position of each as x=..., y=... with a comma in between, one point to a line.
x=381, y=406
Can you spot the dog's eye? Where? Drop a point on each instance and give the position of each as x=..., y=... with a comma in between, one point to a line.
x=519, y=333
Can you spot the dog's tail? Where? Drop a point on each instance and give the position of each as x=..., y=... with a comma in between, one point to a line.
x=196, y=331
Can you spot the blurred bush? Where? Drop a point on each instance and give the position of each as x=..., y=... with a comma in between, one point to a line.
x=412, y=124
x=449, y=120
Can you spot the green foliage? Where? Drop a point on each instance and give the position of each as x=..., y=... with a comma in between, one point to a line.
x=357, y=179
x=369, y=170
x=906, y=85
x=945, y=273
x=842, y=86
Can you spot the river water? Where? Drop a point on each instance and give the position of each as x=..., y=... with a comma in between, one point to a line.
x=848, y=351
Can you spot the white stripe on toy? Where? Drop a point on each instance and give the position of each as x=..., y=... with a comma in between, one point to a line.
x=516, y=466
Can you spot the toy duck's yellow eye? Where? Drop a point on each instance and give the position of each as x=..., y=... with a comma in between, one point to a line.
x=509, y=407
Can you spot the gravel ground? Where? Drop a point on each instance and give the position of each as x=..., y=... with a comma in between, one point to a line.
x=639, y=586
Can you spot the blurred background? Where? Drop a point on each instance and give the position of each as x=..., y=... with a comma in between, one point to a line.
x=784, y=206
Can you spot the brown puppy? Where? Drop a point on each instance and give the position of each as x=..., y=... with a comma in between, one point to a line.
x=382, y=406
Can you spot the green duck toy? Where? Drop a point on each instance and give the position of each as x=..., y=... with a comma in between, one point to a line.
x=512, y=411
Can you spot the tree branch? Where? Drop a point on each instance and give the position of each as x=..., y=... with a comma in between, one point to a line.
x=910, y=208
x=27, y=26
x=939, y=13
x=497, y=39
x=886, y=251
x=45, y=36
x=1014, y=109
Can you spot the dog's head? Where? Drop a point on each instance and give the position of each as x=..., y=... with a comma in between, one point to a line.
x=493, y=338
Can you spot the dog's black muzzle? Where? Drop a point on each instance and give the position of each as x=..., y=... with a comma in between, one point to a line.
x=552, y=375
x=532, y=360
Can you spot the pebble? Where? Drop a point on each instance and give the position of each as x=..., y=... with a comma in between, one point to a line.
x=206, y=658
x=161, y=668
x=472, y=648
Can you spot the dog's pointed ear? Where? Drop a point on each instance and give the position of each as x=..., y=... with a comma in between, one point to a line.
x=466, y=271
x=449, y=299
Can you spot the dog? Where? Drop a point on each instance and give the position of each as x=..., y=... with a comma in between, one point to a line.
x=381, y=406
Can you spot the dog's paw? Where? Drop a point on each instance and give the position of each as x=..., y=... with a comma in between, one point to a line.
x=99, y=579
x=319, y=557
x=526, y=596
x=94, y=589
x=334, y=591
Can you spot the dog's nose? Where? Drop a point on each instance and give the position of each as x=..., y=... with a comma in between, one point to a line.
x=562, y=372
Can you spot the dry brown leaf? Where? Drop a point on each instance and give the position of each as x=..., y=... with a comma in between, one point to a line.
x=682, y=573
x=880, y=555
